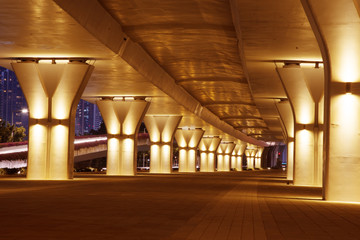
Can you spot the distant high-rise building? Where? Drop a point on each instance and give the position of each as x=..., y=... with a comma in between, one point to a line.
x=12, y=99
x=87, y=118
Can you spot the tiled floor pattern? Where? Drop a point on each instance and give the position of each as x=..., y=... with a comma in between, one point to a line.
x=235, y=205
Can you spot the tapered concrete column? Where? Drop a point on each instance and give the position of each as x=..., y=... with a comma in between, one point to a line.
x=52, y=92
x=224, y=156
x=287, y=118
x=339, y=41
x=188, y=141
x=122, y=119
x=258, y=157
x=250, y=158
x=161, y=131
x=236, y=157
x=208, y=146
x=305, y=87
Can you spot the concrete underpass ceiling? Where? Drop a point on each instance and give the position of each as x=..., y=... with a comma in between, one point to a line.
x=194, y=42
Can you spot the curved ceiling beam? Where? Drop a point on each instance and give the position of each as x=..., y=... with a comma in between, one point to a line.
x=94, y=17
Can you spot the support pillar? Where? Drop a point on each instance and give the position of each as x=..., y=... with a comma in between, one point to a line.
x=188, y=140
x=305, y=89
x=52, y=92
x=258, y=157
x=250, y=157
x=224, y=155
x=236, y=157
x=208, y=147
x=122, y=119
x=161, y=131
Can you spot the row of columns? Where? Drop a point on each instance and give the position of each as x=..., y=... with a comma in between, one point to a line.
x=53, y=90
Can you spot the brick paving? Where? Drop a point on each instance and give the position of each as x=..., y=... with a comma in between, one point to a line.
x=234, y=205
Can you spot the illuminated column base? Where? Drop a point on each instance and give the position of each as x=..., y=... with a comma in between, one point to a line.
x=161, y=131
x=304, y=168
x=250, y=163
x=160, y=158
x=188, y=140
x=187, y=160
x=207, y=161
x=223, y=162
x=258, y=158
x=52, y=91
x=208, y=147
x=236, y=157
x=224, y=156
x=238, y=163
x=122, y=119
x=342, y=171
x=290, y=161
x=120, y=156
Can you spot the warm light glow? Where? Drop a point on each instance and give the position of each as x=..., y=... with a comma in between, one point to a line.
x=226, y=162
x=113, y=167
x=220, y=162
x=304, y=149
x=203, y=162
x=165, y=159
x=346, y=65
x=191, y=160
x=129, y=98
x=155, y=158
x=36, y=163
x=60, y=110
x=166, y=135
x=38, y=107
x=127, y=157
x=233, y=161
x=182, y=160
x=239, y=163
x=211, y=162
x=61, y=61
x=347, y=117
x=59, y=152
x=45, y=61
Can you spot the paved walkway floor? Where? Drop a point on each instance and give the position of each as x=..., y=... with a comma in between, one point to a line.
x=235, y=205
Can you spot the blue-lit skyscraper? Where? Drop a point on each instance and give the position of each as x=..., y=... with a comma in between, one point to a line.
x=87, y=118
x=12, y=99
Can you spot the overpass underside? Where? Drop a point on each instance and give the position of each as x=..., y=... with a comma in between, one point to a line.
x=225, y=78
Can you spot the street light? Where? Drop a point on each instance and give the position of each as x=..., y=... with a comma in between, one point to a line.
x=24, y=110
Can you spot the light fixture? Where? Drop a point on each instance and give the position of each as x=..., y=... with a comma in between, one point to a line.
x=348, y=88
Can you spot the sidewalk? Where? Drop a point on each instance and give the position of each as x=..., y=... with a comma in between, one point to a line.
x=235, y=205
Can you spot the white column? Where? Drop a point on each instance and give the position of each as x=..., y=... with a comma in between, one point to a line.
x=188, y=140
x=250, y=157
x=208, y=146
x=305, y=87
x=161, y=131
x=52, y=92
x=224, y=155
x=236, y=156
x=258, y=157
x=122, y=119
